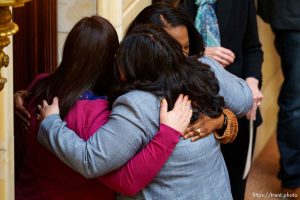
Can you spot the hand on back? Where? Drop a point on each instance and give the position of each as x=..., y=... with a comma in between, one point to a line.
x=20, y=98
x=47, y=110
x=179, y=117
x=204, y=126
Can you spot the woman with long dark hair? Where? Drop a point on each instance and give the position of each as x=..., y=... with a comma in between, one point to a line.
x=180, y=26
x=82, y=82
x=150, y=65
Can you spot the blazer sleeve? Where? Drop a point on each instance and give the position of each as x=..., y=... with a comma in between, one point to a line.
x=138, y=172
x=252, y=52
x=237, y=94
x=110, y=147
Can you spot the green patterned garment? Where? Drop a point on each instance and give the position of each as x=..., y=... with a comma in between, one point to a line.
x=207, y=24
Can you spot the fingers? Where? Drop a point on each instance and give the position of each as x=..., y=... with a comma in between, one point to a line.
x=251, y=115
x=253, y=112
x=45, y=103
x=40, y=108
x=55, y=101
x=24, y=127
x=195, y=138
x=222, y=55
x=248, y=115
x=163, y=107
x=25, y=112
x=178, y=103
x=189, y=116
x=196, y=134
x=228, y=58
x=229, y=53
x=188, y=130
x=221, y=60
x=187, y=113
x=46, y=109
x=259, y=98
x=184, y=104
x=190, y=134
x=179, y=117
x=25, y=121
x=19, y=101
x=258, y=103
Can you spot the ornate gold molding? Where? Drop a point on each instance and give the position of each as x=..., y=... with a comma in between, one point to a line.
x=14, y=3
x=7, y=28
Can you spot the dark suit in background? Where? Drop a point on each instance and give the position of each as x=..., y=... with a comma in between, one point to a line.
x=284, y=17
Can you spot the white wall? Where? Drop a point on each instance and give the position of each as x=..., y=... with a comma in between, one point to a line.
x=120, y=12
x=69, y=12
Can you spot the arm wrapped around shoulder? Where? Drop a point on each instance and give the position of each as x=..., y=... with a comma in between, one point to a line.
x=230, y=128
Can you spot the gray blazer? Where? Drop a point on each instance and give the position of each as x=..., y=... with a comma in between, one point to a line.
x=194, y=170
x=236, y=92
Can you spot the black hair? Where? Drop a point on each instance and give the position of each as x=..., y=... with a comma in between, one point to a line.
x=164, y=16
x=174, y=3
x=153, y=61
x=87, y=64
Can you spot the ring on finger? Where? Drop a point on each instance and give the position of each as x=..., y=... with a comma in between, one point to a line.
x=198, y=131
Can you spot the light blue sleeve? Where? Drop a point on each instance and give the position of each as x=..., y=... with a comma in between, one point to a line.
x=110, y=147
x=236, y=92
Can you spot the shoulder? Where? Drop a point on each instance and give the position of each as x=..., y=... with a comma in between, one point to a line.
x=137, y=104
x=207, y=60
x=41, y=76
x=138, y=97
x=139, y=94
x=87, y=116
x=214, y=65
x=91, y=108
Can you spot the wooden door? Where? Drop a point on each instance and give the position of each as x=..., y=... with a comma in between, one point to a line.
x=35, y=45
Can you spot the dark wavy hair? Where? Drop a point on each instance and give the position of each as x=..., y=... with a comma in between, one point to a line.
x=172, y=17
x=174, y=3
x=151, y=60
x=87, y=64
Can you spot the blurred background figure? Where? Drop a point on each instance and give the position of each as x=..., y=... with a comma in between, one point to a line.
x=284, y=18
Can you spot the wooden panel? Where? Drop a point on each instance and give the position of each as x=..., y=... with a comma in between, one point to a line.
x=272, y=80
x=126, y=4
x=132, y=11
x=35, y=46
x=120, y=13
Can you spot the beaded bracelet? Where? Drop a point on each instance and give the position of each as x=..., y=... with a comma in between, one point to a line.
x=231, y=130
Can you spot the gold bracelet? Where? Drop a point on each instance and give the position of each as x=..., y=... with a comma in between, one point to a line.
x=231, y=130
